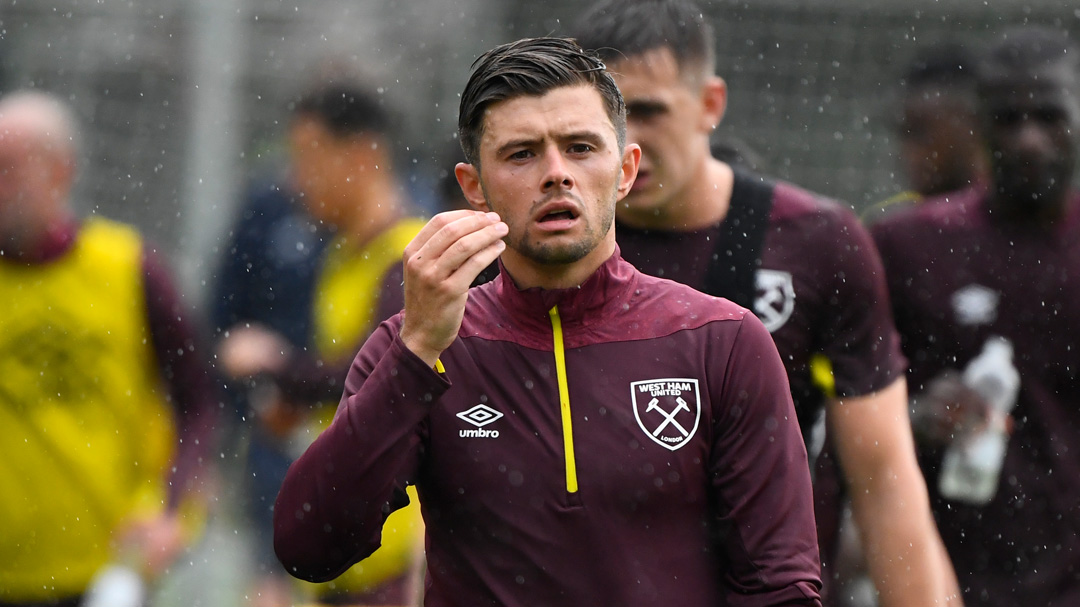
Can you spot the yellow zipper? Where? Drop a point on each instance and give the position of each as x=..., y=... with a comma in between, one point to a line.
x=564, y=401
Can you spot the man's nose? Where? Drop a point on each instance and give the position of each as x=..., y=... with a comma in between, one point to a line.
x=557, y=171
x=1033, y=137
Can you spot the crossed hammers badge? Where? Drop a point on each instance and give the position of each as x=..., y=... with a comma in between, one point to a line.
x=668, y=410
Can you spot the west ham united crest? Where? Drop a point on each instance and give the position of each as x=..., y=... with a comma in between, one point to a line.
x=668, y=410
x=775, y=298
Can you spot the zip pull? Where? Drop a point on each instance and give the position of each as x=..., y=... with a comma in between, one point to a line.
x=564, y=401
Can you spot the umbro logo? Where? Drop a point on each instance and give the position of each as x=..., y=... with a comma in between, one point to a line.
x=479, y=416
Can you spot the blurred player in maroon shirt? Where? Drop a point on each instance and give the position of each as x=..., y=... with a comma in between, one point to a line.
x=939, y=145
x=1004, y=263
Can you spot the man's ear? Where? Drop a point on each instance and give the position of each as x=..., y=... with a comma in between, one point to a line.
x=714, y=102
x=628, y=171
x=468, y=177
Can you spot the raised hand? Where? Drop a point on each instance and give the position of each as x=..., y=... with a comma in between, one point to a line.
x=250, y=350
x=440, y=264
x=947, y=409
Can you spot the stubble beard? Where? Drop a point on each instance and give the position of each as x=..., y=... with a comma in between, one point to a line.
x=551, y=254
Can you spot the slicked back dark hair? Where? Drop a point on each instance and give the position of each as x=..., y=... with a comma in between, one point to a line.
x=616, y=29
x=345, y=108
x=1027, y=52
x=532, y=67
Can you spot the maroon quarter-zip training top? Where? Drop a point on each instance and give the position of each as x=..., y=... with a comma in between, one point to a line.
x=630, y=442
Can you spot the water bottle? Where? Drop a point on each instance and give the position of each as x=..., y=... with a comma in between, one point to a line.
x=972, y=465
x=116, y=585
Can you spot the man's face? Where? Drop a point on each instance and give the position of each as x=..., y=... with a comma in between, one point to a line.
x=1031, y=131
x=31, y=178
x=939, y=145
x=551, y=167
x=669, y=117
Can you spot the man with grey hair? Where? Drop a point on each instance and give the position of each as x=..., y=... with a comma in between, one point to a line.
x=106, y=402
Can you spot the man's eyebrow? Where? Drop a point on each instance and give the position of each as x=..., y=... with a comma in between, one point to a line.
x=589, y=136
x=592, y=137
x=516, y=143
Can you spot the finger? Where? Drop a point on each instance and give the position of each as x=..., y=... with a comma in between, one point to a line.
x=434, y=226
x=452, y=232
x=464, y=248
x=467, y=271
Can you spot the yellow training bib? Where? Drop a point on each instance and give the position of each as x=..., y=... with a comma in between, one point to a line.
x=84, y=434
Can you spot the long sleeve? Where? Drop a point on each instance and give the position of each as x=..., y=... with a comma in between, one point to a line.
x=761, y=481
x=337, y=495
x=183, y=357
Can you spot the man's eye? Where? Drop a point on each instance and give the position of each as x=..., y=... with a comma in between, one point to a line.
x=644, y=112
x=580, y=148
x=520, y=155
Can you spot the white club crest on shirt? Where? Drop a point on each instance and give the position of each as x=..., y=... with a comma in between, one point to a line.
x=667, y=410
x=775, y=299
x=975, y=305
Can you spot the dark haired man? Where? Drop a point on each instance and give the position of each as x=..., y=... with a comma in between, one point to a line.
x=342, y=165
x=940, y=148
x=579, y=433
x=804, y=265
x=1004, y=262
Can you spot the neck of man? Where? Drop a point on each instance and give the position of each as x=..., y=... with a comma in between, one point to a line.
x=709, y=195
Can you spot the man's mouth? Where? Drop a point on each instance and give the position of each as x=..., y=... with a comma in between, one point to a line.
x=558, y=216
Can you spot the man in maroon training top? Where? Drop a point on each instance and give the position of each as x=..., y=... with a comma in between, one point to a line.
x=803, y=264
x=1004, y=262
x=579, y=433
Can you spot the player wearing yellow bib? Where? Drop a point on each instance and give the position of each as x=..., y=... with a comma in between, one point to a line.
x=342, y=165
x=106, y=405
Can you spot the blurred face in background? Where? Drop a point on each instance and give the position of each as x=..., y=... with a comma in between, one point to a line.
x=940, y=149
x=670, y=115
x=327, y=168
x=35, y=176
x=1032, y=122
